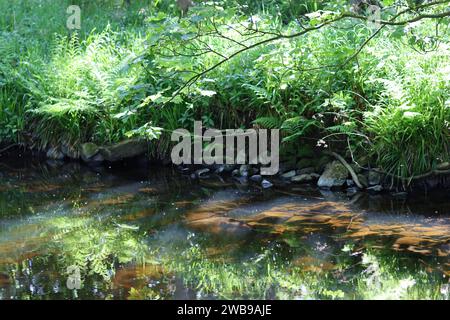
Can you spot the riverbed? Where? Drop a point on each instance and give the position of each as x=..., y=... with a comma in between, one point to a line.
x=70, y=231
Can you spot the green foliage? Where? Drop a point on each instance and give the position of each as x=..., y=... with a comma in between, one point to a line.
x=266, y=275
x=138, y=70
x=410, y=123
x=95, y=250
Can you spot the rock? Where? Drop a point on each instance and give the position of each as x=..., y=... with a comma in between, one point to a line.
x=320, y=164
x=289, y=174
x=125, y=149
x=183, y=170
x=241, y=180
x=307, y=170
x=350, y=183
x=352, y=190
x=363, y=180
x=286, y=166
x=193, y=176
x=202, y=173
x=219, y=169
x=222, y=226
x=374, y=178
x=335, y=175
x=97, y=158
x=229, y=167
x=54, y=163
x=315, y=176
x=70, y=152
x=376, y=188
x=256, y=178
x=243, y=170
x=305, y=163
x=304, y=178
x=54, y=154
x=88, y=150
x=235, y=173
x=266, y=184
x=443, y=166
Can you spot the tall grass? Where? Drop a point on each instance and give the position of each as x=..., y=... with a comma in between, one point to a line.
x=104, y=82
x=409, y=125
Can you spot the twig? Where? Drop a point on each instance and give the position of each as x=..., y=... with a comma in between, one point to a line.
x=349, y=169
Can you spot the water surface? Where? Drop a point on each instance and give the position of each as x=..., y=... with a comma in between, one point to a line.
x=151, y=233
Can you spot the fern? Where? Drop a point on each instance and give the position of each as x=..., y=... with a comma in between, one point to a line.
x=296, y=127
x=268, y=122
x=344, y=128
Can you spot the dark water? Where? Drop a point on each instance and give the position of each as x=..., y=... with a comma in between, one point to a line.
x=153, y=234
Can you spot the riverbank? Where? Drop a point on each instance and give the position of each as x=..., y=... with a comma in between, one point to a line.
x=381, y=101
x=329, y=171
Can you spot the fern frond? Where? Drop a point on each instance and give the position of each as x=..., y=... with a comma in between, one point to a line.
x=268, y=122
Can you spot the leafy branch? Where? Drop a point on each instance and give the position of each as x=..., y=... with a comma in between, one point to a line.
x=251, y=31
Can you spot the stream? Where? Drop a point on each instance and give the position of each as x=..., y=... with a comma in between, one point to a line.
x=138, y=232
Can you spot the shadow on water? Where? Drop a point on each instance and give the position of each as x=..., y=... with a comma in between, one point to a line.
x=145, y=232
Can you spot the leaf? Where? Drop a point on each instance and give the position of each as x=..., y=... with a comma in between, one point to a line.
x=410, y=114
x=398, y=32
x=268, y=122
x=207, y=93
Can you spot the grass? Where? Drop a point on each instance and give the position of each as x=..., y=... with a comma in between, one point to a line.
x=111, y=80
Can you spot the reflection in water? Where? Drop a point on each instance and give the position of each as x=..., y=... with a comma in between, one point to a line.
x=153, y=234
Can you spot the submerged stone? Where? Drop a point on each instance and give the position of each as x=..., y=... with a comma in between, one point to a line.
x=219, y=225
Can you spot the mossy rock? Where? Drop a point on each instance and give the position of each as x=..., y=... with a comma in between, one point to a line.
x=335, y=175
x=88, y=150
x=124, y=150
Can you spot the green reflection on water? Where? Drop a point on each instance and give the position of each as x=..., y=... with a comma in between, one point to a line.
x=162, y=237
